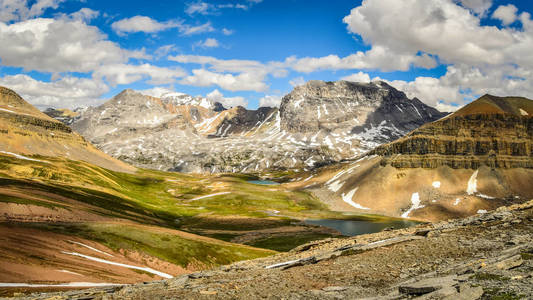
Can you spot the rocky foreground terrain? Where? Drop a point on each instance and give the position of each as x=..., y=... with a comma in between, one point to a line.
x=317, y=123
x=480, y=257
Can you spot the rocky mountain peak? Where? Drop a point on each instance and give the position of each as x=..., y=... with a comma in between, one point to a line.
x=362, y=107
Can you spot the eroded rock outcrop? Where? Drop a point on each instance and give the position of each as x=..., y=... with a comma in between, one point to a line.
x=492, y=131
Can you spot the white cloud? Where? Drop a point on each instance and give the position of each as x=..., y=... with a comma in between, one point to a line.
x=270, y=101
x=204, y=8
x=462, y=83
x=142, y=24
x=58, y=46
x=230, y=82
x=461, y=38
x=376, y=58
x=358, y=77
x=125, y=74
x=479, y=7
x=277, y=69
x=85, y=15
x=207, y=43
x=227, y=102
x=226, y=31
x=482, y=59
x=70, y=92
x=232, y=74
x=199, y=7
x=149, y=25
x=190, y=30
x=297, y=81
x=165, y=50
x=157, y=91
x=506, y=13
x=19, y=10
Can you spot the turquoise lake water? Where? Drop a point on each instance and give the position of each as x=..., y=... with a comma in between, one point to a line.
x=263, y=182
x=353, y=228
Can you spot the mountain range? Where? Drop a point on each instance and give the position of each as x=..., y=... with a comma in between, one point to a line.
x=316, y=124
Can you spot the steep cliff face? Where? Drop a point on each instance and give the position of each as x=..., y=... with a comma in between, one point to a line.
x=473, y=160
x=24, y=130
x=317, y=123
x=491, y=131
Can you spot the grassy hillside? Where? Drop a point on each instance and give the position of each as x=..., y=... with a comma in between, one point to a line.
x=148, y=218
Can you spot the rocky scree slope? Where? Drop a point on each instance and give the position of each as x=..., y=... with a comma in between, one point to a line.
x=486, y=256
x=24, y=130
x=317, y=123
x=473, y=160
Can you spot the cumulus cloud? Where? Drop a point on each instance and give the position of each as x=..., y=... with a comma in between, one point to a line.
x=479, y=7
x=50, y=45
x=230, y=82
x=463, y=83
x=20, y=10
x=297, y=81
x=270, y=101
x=85, y=15
x=69, y=92
x=376, y=58
x=221, y=65
x=149, y=25
x=506, y=13
x=142, y=24
x=125, y=74
x=157, y=91
x=461, y=38
x=232, y=74
x=358, y=77
x=482, y=59
x=227, y=102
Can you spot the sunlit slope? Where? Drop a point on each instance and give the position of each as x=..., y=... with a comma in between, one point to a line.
x=25, y=130
x=474, y=160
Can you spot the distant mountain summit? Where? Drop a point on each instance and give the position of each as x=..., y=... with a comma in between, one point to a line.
x=184, y=99
x=24, y=130
x=476, y=159
x=317, y=123
x=369, y=113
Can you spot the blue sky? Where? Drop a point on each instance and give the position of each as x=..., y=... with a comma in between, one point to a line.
x=68, y=53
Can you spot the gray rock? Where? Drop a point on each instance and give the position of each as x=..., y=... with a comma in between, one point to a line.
x=317, y=123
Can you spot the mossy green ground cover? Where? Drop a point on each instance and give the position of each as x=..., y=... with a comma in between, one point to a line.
x=179, y=249
x=167, y=199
